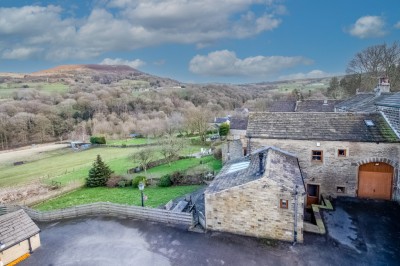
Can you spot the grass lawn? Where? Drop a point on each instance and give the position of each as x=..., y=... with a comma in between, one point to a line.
x=208, y=163
x=67, y=165
x=156, y=196
x=130, y=141
x=6, y=91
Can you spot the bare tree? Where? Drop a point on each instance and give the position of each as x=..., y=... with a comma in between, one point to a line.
x=377, y=61
x=170, y=147
x=197, y=120
x=144, y=157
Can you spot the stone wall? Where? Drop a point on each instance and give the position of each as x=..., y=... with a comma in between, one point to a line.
x=253, y=209
x=235, y=149
x=392, y=115
x=336, y=171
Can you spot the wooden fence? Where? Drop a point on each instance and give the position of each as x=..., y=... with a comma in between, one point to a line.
x=106, y=209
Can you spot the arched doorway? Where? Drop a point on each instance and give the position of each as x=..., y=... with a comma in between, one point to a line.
x=375, y=181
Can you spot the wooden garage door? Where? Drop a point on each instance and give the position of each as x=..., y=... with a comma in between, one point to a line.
x=375, y=181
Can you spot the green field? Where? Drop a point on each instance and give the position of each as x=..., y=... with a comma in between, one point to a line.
x=66, y=165
x=130, y=141
x=156, y=196
x=7, y=90
x=208, y=163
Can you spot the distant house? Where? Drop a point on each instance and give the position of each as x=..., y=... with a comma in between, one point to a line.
x=281, y=106
x=19, y=235
x=220, y=120
x=316, y=105
x=260, y=195
x=340, y=154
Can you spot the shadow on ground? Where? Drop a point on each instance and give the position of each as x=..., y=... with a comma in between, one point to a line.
x=370, y=237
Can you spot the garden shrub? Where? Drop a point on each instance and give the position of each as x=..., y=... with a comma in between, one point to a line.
x=113, y=180
x=165, y=181
x=97, y=140
x=218, y=154
x=137, y=180
x=121, y=183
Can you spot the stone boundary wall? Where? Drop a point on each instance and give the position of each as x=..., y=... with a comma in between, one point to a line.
x=105, y=209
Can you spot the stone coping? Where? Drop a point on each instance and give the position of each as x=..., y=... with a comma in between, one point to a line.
x=319, y=228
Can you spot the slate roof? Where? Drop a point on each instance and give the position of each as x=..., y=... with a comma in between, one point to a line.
x=220, y=120
x=16, y=227
x=320, y=126
x=316, y=106
x=363, y=102
x=284, y=170
x=391, y=101
x=239, y=123
x=281, y=106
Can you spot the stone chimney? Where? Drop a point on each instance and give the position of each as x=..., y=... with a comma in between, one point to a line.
x=383, y=86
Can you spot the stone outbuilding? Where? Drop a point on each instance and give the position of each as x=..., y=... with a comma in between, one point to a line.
x=19, y=235
x=260, y=195
x=340, y=154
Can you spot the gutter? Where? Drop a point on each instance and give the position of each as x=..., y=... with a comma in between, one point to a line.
x=295, y=216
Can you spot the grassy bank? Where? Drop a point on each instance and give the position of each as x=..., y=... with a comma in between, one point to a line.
x=156, y=196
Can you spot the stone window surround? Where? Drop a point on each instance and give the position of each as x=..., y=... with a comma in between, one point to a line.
x=316, y=155
x=396, y=172
x=344, y=151
x=284, y=204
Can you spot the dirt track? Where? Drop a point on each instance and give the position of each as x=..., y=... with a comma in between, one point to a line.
x=27, y=152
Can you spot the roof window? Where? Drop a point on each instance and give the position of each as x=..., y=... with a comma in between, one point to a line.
x=369, y=123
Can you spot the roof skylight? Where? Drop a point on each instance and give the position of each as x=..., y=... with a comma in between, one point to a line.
x=237, y=167
x=369, y=123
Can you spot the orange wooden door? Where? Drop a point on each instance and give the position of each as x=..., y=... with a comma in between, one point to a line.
x=375, y=181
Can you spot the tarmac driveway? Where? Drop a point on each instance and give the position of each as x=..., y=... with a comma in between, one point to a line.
x=360, y=233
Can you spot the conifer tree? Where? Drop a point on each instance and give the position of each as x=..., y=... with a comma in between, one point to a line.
x=98, y=174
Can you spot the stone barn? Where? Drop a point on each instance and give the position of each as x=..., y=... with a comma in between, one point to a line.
x=340, y=154
x=260, y=195
x=19, y=236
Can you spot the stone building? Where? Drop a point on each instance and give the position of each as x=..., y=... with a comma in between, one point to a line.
x=260, y=195
x=352, y=154
x=19, y=235
x=390, y=109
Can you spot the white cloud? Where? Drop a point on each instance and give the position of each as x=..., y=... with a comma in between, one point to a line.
x=310, y=75
x=397, y=25
x=20, y=53
x=137, y=63
x=226, y=63
x=368, y=27
x=126, y=25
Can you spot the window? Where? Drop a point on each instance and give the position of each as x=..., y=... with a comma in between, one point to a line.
x=317, y=156
x=341, y=153
x=284, y=204
x=340, y=189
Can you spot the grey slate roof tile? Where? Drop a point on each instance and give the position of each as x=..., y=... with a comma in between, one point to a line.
x=286, y=166
x=391, y=101
x=363, y=102
x=16, y=227
x=239, y=123
x=317, y=106
x=320, y=126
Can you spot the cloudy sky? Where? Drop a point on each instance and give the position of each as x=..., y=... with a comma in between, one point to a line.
x=196, y=40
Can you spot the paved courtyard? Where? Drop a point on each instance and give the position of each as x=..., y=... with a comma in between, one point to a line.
x=360, y=233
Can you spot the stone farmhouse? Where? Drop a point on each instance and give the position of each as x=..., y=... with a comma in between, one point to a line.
x=340, y=154
x=259, y=195
x=19, y=236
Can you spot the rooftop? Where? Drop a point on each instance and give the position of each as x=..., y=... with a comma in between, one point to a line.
x=316, y=105
x=281, y=106
x=246, y=169
x=320, y=126
x=363, y=102
x=238, y=123
x=16, y=227
x=391, y=101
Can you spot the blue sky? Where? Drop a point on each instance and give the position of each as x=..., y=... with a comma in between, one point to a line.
x=233, y=41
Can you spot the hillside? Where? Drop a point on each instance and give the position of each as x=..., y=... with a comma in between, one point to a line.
x=76, y=101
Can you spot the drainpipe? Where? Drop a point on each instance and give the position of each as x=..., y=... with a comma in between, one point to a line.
x=295, y=216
